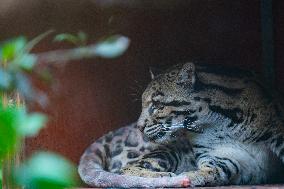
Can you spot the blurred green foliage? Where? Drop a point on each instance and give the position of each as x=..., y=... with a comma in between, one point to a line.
x=8, y=128
x=46, y=170
x=16, y=123
x=112, y=47
x=43, y=170
x=11, y=48
x=15, y=62
x=79, y=40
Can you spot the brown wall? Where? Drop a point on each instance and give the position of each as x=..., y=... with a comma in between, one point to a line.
x=91, y=97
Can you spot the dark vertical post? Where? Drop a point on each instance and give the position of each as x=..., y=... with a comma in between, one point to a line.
x=267, y=35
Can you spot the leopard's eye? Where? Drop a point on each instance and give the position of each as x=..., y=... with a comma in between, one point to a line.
x=157, y=105
x=161, y=107
x=152, y=109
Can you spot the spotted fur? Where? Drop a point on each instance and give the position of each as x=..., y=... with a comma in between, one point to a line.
x=213, y=124
x=121, y=150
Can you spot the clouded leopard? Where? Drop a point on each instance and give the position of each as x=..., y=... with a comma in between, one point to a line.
x=210, y=124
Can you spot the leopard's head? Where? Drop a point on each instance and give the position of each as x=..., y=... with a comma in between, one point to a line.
x=170, y=105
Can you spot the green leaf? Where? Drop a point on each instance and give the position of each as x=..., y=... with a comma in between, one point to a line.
x=112, y=47
x=24, y=86
x=80, y=39
x=82, y=36
x=46, y=170
x=30, y=124
x=5, y=80
x=15, y=122
x=8, y=134
x=11, y=48
x=26, y=61
x=66, y=37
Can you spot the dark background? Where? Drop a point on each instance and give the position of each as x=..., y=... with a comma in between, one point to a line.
x=91, y=97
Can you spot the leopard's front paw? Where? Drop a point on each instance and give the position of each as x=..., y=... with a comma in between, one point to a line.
x=137, y=171
x=195, y=180
x=203, y=177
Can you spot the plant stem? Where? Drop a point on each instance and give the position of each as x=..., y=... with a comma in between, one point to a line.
x=14, y=158
x=66, y=55
x=6, y=162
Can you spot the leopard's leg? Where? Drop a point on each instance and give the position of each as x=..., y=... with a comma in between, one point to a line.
x=158, y=163
x=213, y=171
x=228, y=165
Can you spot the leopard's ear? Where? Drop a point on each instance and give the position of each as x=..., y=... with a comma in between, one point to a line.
x=187, y=75
x=154, y=72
